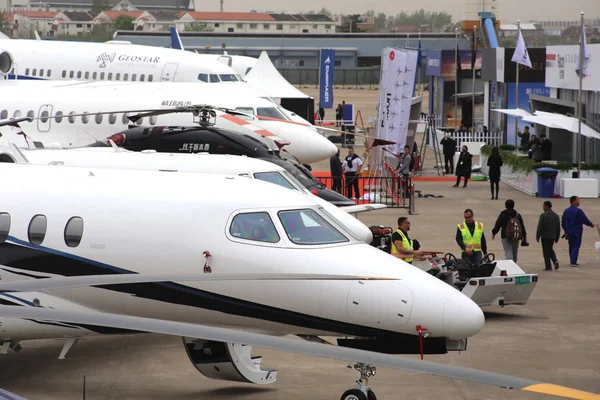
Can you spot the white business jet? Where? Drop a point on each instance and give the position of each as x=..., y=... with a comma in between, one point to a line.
x=116, y=158
x=67, y=221
x=187, y=256
x=62, y=99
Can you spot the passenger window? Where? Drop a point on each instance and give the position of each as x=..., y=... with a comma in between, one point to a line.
x=17, y=114
x=71, y=74
x=34, y=72
x=140, y=121
x=4, y=226
x=44, y=116
x=30, y=114
x=101, y=76
x=74, y=232
x=308, y=227
x=133, y=77
x=71, y=117
x=49, y=73
x=64, y=74
x=153, y=119
x=214, y=78
x=125, y=119
x=26, y=71
x=4, y=114
x=41, y=72
x=142, y=77
x=112, y=118
x=118, y=76
x=94, y=75
x=58, y=117
x=37, y=229
x=256, y=226
x=125, y=77
x=78, y=74
x=203, y=77
x=150, y=78
x=85, y=118
x=87, y=75
x=98, y=118
x=110, y=76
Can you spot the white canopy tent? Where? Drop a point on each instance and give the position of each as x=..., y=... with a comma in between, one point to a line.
x=264, y=76
x=560, y=121
x=517, y=112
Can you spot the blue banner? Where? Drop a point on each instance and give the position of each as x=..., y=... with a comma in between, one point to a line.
x=434, y=63
x=326, y=79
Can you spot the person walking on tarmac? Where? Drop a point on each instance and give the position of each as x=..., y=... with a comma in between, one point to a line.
x=471, y=239
x=512, y=230
x=449, y=148
x=402, y=245
x=573, y=219
x=336, y=172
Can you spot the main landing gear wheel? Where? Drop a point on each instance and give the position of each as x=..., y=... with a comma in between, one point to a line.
x=362, y=391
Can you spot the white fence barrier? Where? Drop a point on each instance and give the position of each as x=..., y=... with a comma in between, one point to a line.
x=491, y=138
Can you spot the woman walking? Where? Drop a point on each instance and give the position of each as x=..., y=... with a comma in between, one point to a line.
x=463, y=168
x=494, y=163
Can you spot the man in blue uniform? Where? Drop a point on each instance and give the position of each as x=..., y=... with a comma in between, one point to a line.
x=573, y=219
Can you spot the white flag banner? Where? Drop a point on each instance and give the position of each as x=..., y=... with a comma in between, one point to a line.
x=410, y=71
x=583, y=70
x=521, y=56
x=383, y=89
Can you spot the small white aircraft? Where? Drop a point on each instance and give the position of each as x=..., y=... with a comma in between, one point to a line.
x=117, y=158
x=185, y=255
x=75, y=107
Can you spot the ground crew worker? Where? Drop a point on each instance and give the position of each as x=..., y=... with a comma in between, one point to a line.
x=402, y=245
x=471, y=239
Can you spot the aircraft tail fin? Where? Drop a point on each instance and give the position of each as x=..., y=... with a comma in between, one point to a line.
x=175, y=39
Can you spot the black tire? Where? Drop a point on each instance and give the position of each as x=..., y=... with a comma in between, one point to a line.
x=355, y=394
x=371, y=395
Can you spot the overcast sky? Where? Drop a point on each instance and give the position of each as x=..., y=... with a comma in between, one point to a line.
x=511, y=10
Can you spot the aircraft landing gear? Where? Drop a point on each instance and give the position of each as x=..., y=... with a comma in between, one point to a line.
x=362, y=391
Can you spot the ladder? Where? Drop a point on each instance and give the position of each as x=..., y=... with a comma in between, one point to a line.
x=430, y=131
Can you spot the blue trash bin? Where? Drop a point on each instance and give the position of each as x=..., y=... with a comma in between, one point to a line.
x=546, y=182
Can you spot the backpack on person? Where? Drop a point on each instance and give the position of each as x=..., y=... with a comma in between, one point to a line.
x=514, y=230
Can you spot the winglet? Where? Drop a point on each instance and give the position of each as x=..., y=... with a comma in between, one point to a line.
x=175, y=39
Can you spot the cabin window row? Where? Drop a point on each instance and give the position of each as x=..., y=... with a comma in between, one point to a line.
x=38, y=226
x=72, y=117
x=107, y=76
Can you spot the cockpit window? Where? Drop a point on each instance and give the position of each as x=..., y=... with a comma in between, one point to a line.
x=256, y=226
x=214, y=78
x=270, y=112
x=274, y=177
x=228, y=78
x=245, y=110
x=308, y=227
x=203, y=77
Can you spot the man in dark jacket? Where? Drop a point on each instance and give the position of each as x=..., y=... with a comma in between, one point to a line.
x=548, y=230
x=448, y=148
x=510, y=245
x=546, y=148
x=336, y=172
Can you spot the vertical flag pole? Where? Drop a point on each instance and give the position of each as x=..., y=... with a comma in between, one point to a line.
x=419, y=67
x=579, y=111
x=456, y=81
x=474, y=54
x=517, y=90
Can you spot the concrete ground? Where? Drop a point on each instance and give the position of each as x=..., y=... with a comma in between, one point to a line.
x=554, y=338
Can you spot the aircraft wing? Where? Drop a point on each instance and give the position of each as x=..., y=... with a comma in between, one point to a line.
x=291, y=345
x=362, y=208
x=9, y=396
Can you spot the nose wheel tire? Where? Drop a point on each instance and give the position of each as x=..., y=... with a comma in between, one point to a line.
x=357, y=394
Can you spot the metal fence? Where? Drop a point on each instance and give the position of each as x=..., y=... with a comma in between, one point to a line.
x=394, y=192
x=361, y=78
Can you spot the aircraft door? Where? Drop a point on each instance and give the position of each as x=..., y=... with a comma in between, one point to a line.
x=168, y=73
x=44, y=122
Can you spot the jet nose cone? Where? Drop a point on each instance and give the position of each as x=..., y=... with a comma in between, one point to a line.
x=461, y=317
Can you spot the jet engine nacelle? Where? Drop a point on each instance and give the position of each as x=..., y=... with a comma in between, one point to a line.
x=227, y=361
x=6, y=62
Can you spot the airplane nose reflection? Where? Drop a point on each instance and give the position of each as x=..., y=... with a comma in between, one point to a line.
x=461, y=317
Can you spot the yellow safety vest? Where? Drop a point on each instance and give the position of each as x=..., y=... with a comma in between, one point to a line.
x=406, y=244
x=471, y=242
